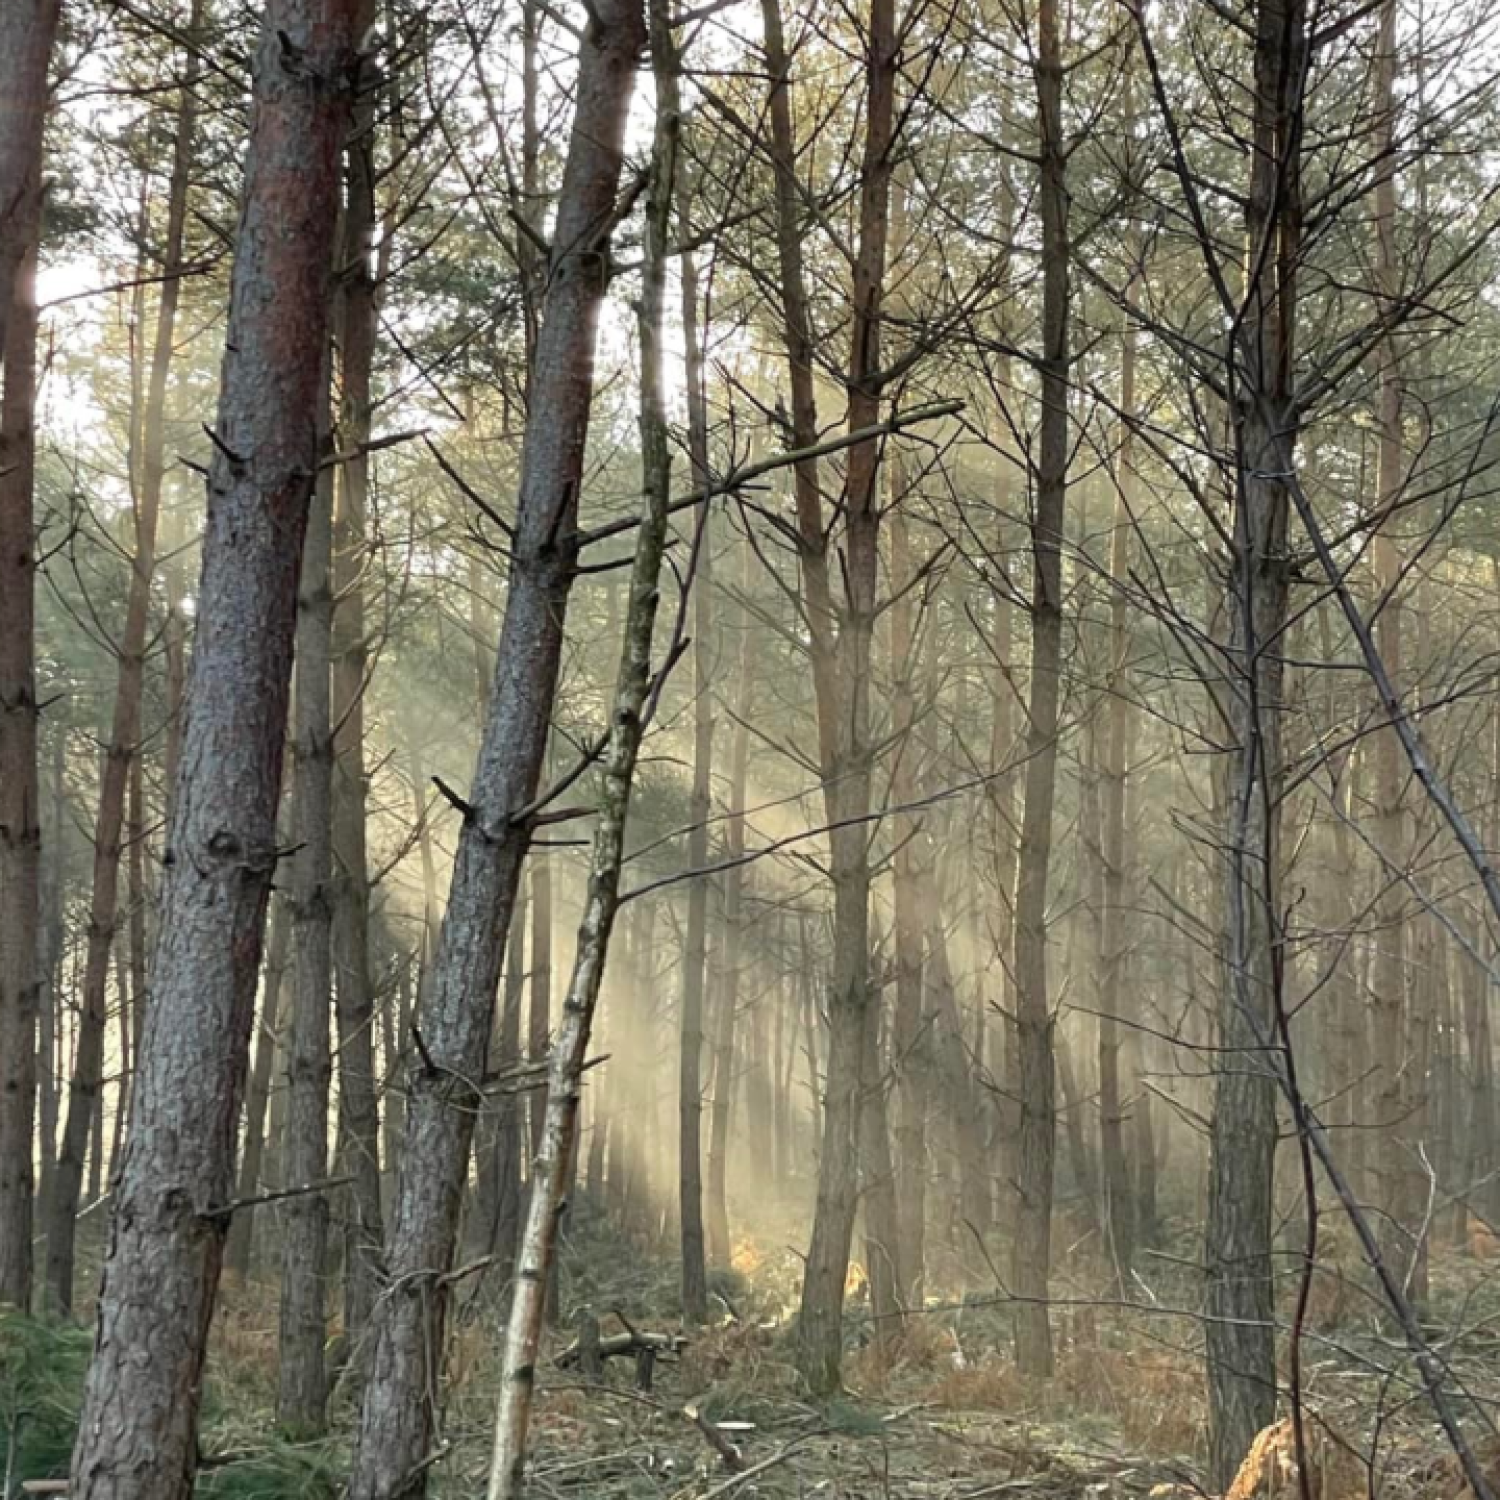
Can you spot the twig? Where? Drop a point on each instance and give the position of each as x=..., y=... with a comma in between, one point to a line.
x=326, y=1185
x=779, y=1457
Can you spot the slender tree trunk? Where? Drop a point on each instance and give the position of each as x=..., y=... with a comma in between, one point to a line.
x=1400, y=1178
x=125, y=734
x=53, y=938
x=139, y=898
x=27, y=31
x=397, y=1416
x=553, y=1165
x=840, y=655
x=239, y=1249
x=139, y=1420
x=506, y=1231
x=302, y=1378
x=539, y=1011
x=1033, y=1240
x=1115, y=1004
x=729, y=949
x=1481, y=1116
x=1240, y=1335
x=359, y=1109
x=20, y=827
x=913, y=1031
x=695, y=951
x=1075, y=1130
x=126, y=1003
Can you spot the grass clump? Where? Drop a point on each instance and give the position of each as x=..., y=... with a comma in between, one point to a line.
x=42, y=1365
x=278, y=1472
x=849, y=1419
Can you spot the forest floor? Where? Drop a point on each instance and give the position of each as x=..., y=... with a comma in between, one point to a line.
x=940, y=1414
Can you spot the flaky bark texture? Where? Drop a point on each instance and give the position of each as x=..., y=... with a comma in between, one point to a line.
x=398, y=1411
x=1240, y=1336
x=20, y=827
x=138, y=1424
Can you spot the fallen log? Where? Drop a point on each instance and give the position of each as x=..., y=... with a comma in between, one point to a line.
x=616, y=1345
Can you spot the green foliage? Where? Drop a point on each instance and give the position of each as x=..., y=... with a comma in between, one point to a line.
x=279, y=1472
x=41, y=1382
x=42, y=1365
x=726, y=1282
x=853, y=1420
x=739, y=1399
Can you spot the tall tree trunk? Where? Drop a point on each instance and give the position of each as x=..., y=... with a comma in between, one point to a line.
x=1240, y=1334
x=840, y=653
x=27, y=31
x=125, y=734
x=1400, y=1178
x=913, y=1030
x=302, y=1377
x=20, y=827
x=553, y=1163
x=52, y=944
x=397, y=1416
x=125, y=1004
x=506, y=1229
x=359, y=1109
x=695, y=948
x=1115, y=1004
x=1033, y=1240
x=539, y=1010
x=729, y=949
x=239, y=1249
x=139, y=1419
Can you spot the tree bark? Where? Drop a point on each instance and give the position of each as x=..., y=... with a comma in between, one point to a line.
x=839, y=643
x=506, y=1230
x=302, y=1376
x=695, y=950
x=1032, y=1255
x=1400, y=1178
x=20, y=826
x=1115, y=1003
x=139, y=1419
x=1240, y=1334
x=539, y=1010
x=124, y=739
x=729, y=949
x=913, y=1028
x=28, y=29
x=396, y=1417
x=52, y=942
x=553, y=1164
x=359, y=1108
x=239, y=1249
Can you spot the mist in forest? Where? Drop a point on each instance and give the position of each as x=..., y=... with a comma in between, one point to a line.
x=749, y=749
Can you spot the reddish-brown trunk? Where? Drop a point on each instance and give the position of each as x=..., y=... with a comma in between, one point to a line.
x=139, y=1417
x=20, y=828
x=397, y=1413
